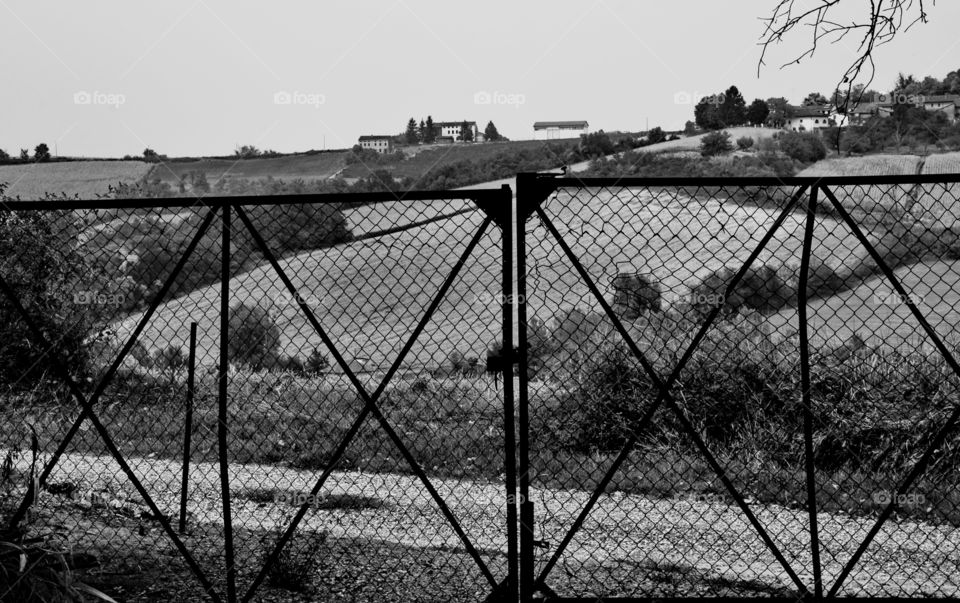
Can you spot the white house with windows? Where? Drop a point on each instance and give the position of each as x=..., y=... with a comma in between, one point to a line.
x=553, y=130
x=380, y=144
x=814, y=117
x=453, y=129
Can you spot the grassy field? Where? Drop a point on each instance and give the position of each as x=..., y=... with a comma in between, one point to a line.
x=85, y=178
x=868, y=165
x=305, y=167
x=369, y=294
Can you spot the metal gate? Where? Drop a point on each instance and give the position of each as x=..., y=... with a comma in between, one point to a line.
x=712, y=406
x=724, y=388
x=208, y=453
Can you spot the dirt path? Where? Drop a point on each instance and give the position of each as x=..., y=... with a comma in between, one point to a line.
x=625, y=540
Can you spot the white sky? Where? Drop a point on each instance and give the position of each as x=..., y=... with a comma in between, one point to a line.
x=199, y=77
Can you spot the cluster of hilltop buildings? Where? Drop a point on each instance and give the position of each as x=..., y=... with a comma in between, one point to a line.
x=450, y=132
x=822, y=116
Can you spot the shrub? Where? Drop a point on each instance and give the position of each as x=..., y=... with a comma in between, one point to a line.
x=761, y=288
x=457, y=361
x=317, y=362
x=715, y=143
x=636, y=293
x=768, y=147
x=744, y=143
x=596, y=144
x=254, y=336
x=806, y=147
x=296, y=566
x=41, y=262
x=462, y=365
x=604, y=410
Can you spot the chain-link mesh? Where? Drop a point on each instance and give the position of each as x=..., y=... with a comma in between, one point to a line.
x=364, y=438
x=706, y=492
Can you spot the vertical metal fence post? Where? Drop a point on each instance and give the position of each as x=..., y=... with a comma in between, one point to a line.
x=524, y=184
x=507, y=224
x=188, y=427
x=805, y=387
x=222, y=406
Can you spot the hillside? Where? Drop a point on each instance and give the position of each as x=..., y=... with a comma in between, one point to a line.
x=438, y=156
x=305, y=167
x=369, y=294
x=84, y=178
x=689, y=144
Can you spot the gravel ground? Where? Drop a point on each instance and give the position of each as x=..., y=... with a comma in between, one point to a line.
x=384, y=539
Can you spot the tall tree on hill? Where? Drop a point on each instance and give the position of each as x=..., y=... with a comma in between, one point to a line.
x=466, y=132
x=733, y=109
x=490, y=133
x=430, y=134
x=41, y=152
x=778, y=111
x=656, y=135
x=421, y=131
x=410, y=136
x=951, y=83
x=707, y=113
x=814, y=99
x=757, y=112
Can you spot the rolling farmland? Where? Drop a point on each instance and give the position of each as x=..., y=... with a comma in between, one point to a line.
x=305, y=167
x=84, y=178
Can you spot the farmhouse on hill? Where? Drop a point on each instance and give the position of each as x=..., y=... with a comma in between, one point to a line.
x=454, y=130
x=380, y=144
x=883, y=105
x=814, y=117
x=552, y=130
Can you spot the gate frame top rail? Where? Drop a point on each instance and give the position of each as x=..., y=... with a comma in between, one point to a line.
x=489, y=195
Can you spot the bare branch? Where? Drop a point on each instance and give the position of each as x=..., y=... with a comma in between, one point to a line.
x=886, y=18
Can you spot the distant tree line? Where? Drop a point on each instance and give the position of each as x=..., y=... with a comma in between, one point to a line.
x=427, y=132
x=41, y=154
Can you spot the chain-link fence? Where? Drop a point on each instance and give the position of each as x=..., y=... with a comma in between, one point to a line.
x=740, y=387
x=257, y=398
